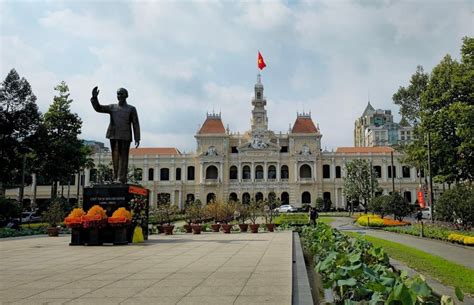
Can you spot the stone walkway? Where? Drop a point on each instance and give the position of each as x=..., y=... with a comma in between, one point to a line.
x=212, y=268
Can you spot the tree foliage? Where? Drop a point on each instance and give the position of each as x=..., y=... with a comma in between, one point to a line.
x=19, y=123
x=62, y=153
x=457, y=206
x=381, y=205
x=360, y=182
x=441, y=104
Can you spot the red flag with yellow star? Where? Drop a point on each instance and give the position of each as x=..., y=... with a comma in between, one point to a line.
x=260, y=62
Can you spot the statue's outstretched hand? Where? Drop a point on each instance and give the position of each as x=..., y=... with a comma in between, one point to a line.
x=95, y=92
x=137, y=143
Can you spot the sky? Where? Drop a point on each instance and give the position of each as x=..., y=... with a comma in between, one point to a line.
x=181, y=59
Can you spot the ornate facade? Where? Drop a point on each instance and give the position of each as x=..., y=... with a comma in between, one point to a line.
x=257, y=163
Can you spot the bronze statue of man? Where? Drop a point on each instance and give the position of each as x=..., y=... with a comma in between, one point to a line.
x=122, y=117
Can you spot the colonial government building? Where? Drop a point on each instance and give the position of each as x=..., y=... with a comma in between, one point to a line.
x=254, y=164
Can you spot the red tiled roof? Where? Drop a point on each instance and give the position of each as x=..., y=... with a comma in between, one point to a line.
x=212, y=125
x=304, y=125
x=364, y=150
x=154, y=151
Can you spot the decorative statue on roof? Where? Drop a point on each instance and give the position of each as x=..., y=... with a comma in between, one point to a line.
x=122, y=118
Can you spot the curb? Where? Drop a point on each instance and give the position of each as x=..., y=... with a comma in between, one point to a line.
x=301, y=291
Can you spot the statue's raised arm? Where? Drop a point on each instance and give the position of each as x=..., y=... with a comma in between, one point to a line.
x=95, y=92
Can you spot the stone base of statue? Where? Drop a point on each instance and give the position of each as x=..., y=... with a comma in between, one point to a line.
x=111, y=197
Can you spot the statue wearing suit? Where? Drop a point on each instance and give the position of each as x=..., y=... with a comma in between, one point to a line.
x=123, y=117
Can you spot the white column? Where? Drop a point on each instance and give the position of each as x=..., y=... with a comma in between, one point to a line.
x=87, y=176
x=201, y=172
x=172, y=197
x=315, y=170
x=265, y=172
x=180, y=199
x=220, y=175
x=296, y=172
x=278, y=172
x=239, y=172
x=252, y=172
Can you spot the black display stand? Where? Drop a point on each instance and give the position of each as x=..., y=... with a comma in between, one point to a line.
x=111, y=197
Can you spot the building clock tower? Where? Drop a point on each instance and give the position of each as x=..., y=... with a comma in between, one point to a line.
x=259, y=113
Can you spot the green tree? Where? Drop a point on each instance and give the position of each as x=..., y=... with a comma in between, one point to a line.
x=443, y=109
x=409, y=98
x=19, y=123
x=398, y=206
x=63, y=153
x=381, y=205
x=457, y=206
x=360, y=182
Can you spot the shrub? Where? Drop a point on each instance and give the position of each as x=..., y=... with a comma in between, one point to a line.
x=457, y=206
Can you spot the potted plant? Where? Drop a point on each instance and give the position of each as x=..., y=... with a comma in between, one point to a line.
x=157, y=219
x=95, y=219
x=196, y=214
x=227, y=213
x=120, y=221
x=74, y=222
x=167, y=210
x=269, y=207
x=137, y=207
x=53, y=216
x=242, y=213
x=214, y=210
x=254, y=213
x=188, y=225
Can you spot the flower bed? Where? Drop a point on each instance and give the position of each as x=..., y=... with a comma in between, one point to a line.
x=292, y=219
x=461, y=239
x=374, y=220
x=431, y=231
x=359, y=272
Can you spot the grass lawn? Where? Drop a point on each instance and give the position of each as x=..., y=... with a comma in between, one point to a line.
x=448, y=273
x=326, y=220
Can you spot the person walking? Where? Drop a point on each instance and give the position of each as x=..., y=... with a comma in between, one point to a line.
x=313, y=215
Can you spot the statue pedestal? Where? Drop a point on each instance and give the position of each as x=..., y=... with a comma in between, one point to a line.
x=111, y=197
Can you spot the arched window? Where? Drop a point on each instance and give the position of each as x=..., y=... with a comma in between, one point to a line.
x=326, y=171
x=285, y=198
x=190, y=172
x=211, y=172
x=151, y=173
x=305, y=171
x=245, y=198
x=406, y=172
x=93, y=175
x=306, y=198
x=246, y=172
x=233, y=197
x=284, y=172
x=259, y=172
x=210, y=197
x=258, y=196
x=378, y=171
x=138, y=174
x=272, y=197
x=407, y=196
x=178, y=174
x=163, y=198
x=189, y=198
x=272, y=173
x=233, y=173
x=327, y=200
x=164, y=174
x=338, y=172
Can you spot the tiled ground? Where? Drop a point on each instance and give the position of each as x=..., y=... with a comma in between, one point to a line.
x=212, y=268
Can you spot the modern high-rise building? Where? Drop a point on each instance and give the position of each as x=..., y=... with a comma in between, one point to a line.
x=377, y=128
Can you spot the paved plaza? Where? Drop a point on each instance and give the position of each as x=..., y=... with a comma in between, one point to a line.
x=212, y=268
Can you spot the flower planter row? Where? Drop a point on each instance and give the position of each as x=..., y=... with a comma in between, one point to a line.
x=226, y=228
x=98, y=235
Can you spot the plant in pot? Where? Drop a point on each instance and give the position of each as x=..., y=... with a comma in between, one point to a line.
x=95, y=219
x=254, y=213
x=53, y=216
x=74, y=222
x=188, y=225
x=214, y=211
x=157, y=219
x=269, y=207
x=227, y=213
x=120, y=221
x=242, y=214
x=168, y=210
x=196, y=213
